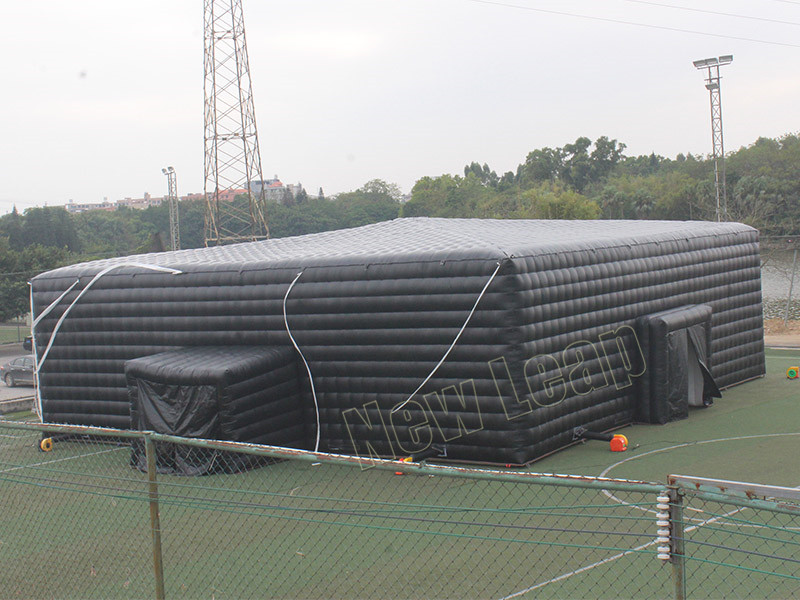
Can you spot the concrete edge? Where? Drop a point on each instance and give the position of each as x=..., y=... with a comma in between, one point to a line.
x=16, y=405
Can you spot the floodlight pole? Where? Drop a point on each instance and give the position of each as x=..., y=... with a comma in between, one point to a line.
x=172, y=199
x=712, y=65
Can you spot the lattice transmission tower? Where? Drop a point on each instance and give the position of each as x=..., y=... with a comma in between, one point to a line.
x=233, y=186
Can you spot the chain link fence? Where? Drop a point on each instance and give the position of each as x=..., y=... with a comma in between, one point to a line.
x=780, y=278
x=739, y=540
x=113, y=514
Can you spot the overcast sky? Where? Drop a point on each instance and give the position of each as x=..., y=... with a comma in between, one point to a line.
x=98, y=96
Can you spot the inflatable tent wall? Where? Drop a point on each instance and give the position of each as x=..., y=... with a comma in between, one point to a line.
x=498, y=339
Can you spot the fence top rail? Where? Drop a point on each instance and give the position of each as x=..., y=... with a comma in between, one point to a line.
x=422, y=468
x=751, y=491
x=70, y=429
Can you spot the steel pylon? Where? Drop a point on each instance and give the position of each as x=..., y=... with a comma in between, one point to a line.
x=234, y=211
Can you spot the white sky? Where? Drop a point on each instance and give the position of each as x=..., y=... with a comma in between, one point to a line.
x=98, y=96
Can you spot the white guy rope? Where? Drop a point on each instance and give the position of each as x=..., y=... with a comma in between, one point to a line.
x=38, y=362
x=305, y=362
x=455, y=341
x=45, y=312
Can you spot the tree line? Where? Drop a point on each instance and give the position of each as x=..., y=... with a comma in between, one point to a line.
x=591, y=180
x=582, y=180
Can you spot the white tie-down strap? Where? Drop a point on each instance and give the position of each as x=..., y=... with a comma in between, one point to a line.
x=305, y=362
x=38, y=362
x=455, y=341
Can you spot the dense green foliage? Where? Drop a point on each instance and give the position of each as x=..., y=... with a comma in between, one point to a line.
x=373, y=202
x=581, y=180
x=585, y=180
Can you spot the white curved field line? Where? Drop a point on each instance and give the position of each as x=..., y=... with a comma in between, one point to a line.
x=675, y=447
x=699, y=523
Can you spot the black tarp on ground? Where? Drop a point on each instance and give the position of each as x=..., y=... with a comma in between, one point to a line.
x=377, y=307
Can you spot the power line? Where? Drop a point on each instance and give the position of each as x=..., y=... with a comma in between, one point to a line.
x=635, y=24
x=714, y=12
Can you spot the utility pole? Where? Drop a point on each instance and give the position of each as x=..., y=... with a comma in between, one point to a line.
x=712, y=66
x=174, y=215
x=234, y=189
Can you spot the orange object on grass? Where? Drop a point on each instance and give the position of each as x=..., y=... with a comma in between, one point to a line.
x=619, y=443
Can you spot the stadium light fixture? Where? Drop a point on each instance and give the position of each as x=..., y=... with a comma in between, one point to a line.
x=712, y=66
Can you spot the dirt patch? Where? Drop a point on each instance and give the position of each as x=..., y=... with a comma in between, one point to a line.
x=776, y=327
x=778, y=335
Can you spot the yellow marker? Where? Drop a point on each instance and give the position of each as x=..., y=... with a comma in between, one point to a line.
x=46, y=445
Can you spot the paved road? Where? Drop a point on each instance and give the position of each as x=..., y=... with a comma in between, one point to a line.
x=789, y=340
x=12, y=351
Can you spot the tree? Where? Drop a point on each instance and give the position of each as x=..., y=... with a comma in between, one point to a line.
x=755, y=200
x=302, y=196
x=375, y=201
x=49, y=227
x=577, y=168
x=506, y=182
x=448, y=196
x=483, y=173
x=115, y=233
x=555, y=201
x=12, y=229
x=287, y=197
x=541, y=165
x=309, y=217
x=192, y=213
x=668, y=195
x=380, y=188
x=605, y=156
x=17, y=267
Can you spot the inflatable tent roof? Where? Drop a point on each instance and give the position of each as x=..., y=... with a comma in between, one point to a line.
x=495, y=338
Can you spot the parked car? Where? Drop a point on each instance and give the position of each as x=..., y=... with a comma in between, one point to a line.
x=27, y=343
x=18, y=371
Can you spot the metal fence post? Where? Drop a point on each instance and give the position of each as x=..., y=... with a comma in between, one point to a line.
x=155, y=522
x=791, y=288
x=677, y=550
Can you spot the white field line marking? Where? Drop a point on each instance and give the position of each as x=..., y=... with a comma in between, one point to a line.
x=675, y=447
x=615, y=557
x=628, y=504
x=578, y=571
x=7, y=444
x=48, y=462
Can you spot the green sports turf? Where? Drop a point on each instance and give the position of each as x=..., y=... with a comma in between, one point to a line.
x=75, y=523
x=299, y=530
x=750, y=434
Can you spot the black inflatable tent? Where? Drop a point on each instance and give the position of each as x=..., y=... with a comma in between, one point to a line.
x=238, y=393
x=496, y=338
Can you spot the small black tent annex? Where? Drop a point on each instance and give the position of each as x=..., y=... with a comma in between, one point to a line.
x=496, y=338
